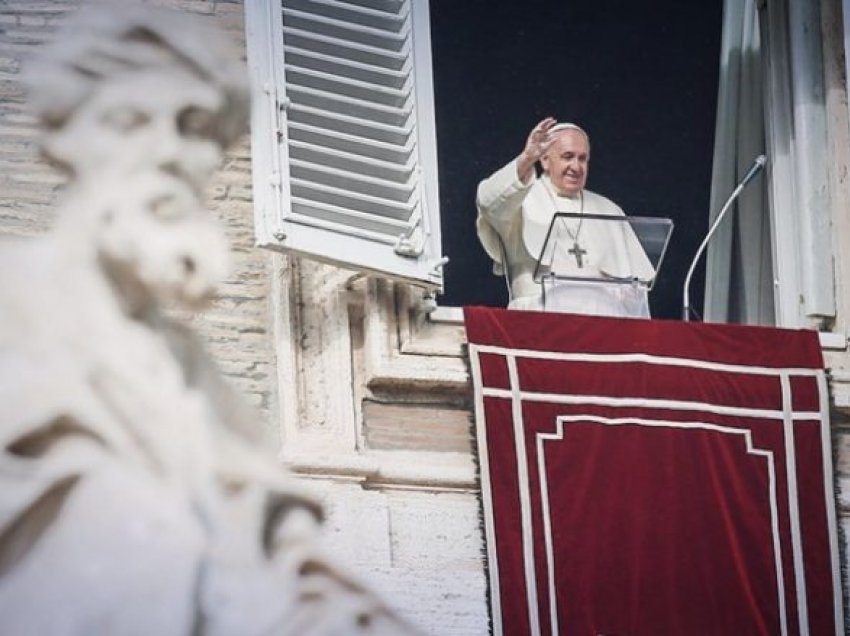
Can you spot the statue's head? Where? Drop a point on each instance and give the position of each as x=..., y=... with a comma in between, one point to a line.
x=139, y=104
x=128, y=87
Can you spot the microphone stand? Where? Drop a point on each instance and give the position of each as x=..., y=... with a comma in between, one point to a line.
x=754, y=170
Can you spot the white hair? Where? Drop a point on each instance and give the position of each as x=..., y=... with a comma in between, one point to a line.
x=569, y=126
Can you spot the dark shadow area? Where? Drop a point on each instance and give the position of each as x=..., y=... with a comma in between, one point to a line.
x=641, y=78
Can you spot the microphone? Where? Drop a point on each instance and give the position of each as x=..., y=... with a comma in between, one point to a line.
x=758, y=166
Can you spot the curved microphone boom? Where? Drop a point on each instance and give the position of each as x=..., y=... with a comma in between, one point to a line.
x=758, y=166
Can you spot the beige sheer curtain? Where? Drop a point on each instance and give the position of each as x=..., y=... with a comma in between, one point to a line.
x=739, y=272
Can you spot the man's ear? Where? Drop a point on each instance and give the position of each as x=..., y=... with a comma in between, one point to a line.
x=544, y=161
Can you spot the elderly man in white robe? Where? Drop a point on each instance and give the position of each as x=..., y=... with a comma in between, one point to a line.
x=516, y=208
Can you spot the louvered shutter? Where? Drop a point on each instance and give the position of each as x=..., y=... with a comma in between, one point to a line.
x=343, y=139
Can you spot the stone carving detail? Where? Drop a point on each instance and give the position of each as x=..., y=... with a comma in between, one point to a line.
x=135, y=496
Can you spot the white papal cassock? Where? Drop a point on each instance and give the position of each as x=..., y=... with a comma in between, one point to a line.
x=518, y=215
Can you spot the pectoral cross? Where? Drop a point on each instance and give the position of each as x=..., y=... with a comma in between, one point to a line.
x=578, y=253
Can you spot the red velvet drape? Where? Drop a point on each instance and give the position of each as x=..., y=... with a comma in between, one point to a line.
x=652, y=477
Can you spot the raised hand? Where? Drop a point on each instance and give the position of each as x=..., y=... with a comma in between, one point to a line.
x=538, y=142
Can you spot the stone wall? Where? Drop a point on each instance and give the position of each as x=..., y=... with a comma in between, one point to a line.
x=237, y=326
x=838, y=362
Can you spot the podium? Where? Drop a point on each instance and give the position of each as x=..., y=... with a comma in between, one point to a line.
x=600, y=264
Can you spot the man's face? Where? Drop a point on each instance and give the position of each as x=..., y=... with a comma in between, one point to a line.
x=566, y=162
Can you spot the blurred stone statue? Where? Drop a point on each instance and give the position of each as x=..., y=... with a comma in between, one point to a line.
x=135, y=497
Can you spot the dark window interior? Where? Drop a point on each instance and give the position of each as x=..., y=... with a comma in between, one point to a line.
x=641, y=78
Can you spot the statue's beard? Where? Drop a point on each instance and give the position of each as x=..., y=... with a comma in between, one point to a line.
x=140, y=294
x=158, y=246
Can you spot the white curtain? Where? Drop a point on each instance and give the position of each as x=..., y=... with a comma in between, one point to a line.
x=739, y=272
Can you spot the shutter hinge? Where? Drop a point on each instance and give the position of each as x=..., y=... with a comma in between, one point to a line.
x=281, y=106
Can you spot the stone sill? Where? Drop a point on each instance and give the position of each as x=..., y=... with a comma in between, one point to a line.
x=404, y=470
x=454, y=315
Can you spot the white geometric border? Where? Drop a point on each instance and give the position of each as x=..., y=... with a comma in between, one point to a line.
x=558, y=435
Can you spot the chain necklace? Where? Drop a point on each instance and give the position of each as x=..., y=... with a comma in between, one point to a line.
x=576, y=250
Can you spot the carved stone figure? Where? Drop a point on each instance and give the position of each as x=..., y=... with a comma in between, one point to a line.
x=134, y=494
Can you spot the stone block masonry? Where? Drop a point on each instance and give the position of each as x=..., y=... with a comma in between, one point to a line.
x=237, y=325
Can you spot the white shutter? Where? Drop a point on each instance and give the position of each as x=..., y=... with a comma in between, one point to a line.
x=343, y=139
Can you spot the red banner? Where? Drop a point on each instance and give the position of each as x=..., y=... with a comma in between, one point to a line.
x=654, y=477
